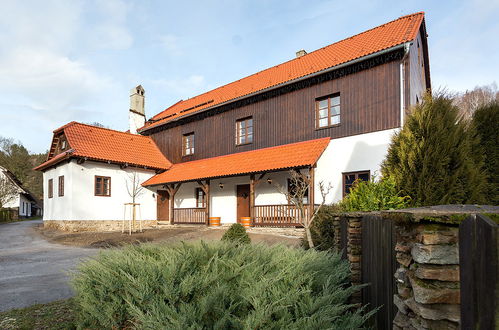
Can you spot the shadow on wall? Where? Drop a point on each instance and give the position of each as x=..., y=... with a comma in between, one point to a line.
x=366, y=156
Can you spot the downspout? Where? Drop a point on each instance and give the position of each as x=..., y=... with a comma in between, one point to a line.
x=407, y=46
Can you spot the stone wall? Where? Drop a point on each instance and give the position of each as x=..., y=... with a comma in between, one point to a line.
x=94, y=225
x=427, y=277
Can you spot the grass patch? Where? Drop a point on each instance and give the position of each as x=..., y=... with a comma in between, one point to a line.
x=54, y=315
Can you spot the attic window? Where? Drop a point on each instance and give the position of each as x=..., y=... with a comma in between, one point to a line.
x=63, y=145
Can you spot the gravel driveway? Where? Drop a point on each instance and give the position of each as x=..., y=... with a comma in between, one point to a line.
x=33, y=270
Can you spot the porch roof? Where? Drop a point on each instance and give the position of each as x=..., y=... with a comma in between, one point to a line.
x=301, y=154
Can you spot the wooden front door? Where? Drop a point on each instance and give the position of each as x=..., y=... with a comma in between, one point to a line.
x=163, y=202
x=243, y=201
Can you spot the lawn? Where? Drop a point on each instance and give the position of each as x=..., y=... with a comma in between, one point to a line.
x=55, y=315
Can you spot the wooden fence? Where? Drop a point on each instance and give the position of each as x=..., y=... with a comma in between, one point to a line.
x=282, y=215
x=478, y=253
x=193, y=216
x=378, y=266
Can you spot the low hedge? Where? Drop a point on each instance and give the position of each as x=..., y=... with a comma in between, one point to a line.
x=215, y=286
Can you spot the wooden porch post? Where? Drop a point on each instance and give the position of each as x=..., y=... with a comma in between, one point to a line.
x=252, y=198
x=206, y=188
x=311, y=194
x=172, y=190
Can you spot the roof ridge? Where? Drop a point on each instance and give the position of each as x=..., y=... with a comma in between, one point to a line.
x=247, y=151
x=103, y=128
x=282, y=63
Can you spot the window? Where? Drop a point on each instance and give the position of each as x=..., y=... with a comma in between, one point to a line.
x=293, y=190
x=327, y=111
x=200, y=198
x=63, y=145
x=61, y=186
x=350, y=178
x=188, y=144
x=102, y=186
x=51, y=188
x=244, y=131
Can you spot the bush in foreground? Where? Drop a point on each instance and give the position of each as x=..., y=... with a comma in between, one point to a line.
x=237, y=234
x=215, y=286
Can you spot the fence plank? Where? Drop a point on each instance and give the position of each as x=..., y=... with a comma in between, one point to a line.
x=378, y=266
x=478, y=261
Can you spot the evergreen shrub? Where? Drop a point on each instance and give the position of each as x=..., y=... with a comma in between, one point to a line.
x=486, y=126
x=237, y=234
x=215, y=286
x=432, y=158
x=374, y=195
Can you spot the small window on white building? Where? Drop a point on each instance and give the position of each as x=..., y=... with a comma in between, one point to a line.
x=102, y=186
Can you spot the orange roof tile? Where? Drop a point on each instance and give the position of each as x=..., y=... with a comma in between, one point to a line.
x=104, y=144
x=391, y=34
x=293, y=155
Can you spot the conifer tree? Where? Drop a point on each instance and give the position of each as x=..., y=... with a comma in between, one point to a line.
x=432, y=158
x=486, y=126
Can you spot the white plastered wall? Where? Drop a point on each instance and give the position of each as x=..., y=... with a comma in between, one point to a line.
x=80, y=203
x=350, y=154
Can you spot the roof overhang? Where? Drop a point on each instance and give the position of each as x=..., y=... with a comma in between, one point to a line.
x=272, y=159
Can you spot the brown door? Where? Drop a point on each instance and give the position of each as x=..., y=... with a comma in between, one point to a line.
x=163, y=205
x=243, y=201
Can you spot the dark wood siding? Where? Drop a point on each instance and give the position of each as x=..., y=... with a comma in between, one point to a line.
x=370, y=101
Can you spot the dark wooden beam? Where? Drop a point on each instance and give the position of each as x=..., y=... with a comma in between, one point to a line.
x=252, y=196
x=311, y=191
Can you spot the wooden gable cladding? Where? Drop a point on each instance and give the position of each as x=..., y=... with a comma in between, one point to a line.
x=370, y=100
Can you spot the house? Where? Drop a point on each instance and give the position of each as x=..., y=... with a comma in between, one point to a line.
x=14, y=197
x=329, y=114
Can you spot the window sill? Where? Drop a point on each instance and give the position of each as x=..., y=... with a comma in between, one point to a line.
x=324, y=127
x=243, y=144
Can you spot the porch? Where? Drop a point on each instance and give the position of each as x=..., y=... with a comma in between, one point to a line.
x=239, y=186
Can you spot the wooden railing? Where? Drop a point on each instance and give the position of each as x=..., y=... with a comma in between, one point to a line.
x=278, y=215
x=192, y=215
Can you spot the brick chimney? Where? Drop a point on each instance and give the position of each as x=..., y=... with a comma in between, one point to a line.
x=136, y=115
x=300, y=53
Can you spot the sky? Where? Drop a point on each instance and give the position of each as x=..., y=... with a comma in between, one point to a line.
x=77, y=60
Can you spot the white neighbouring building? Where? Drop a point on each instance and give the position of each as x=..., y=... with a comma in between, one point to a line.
x=328, y=114
x=16, y=197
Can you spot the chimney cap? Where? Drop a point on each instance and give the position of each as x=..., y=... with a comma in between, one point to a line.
x=300, y=53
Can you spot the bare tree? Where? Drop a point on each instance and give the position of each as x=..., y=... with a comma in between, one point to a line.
x=7, y=190
x=134, y=186
x=471, y=100
x=299, y=186
x=134, y=189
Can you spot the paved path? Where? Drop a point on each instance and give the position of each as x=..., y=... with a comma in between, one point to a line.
x=32, y=270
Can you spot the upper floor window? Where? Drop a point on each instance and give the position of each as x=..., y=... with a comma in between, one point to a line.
x=244, y=130
x=350, y=178
x=187, y=144
x=61, y=186
x=51, y=188
x=200, y=198
x=102, y=186
x=327, y=111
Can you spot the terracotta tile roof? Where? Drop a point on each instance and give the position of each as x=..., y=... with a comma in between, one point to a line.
x=104, y=144
x=391, y=34
x=286, y=156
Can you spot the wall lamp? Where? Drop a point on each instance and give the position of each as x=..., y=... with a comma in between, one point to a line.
x=221, y=185
x=269, y=180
